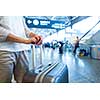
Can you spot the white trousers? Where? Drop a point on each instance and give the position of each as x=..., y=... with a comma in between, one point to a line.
x=14, y=63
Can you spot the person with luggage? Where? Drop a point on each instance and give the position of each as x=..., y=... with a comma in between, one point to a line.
x=15, y=47
x=76, y=45
x=61, y=47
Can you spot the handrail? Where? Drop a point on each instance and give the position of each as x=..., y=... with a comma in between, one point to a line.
x=89, y=30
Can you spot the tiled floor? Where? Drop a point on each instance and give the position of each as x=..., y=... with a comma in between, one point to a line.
x=81, y=69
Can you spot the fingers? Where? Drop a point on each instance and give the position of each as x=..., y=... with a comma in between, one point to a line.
x=36, y=40
x=33, y=40
x=39, y=42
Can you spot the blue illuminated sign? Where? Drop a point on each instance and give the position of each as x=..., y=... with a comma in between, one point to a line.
x=42, y=23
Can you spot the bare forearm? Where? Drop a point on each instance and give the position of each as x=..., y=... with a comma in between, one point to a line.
x=17, y=39
x=34, y=39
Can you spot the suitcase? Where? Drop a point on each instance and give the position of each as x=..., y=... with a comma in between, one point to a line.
x=53, y=72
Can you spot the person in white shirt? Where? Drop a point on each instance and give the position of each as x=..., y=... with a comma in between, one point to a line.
x=15, y=46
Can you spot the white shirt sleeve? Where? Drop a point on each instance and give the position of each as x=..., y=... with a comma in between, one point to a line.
x=4, y=30
x=27, y=30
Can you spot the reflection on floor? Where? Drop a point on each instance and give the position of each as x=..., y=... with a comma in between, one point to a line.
x=81, y=69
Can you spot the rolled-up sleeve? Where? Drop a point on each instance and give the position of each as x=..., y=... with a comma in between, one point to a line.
x=4, y=32
x=27, y=30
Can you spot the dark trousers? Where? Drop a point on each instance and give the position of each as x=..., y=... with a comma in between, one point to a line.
x=75, y=49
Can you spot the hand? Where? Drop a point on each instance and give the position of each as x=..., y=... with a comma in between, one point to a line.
x=38, y=38
x=30, y=41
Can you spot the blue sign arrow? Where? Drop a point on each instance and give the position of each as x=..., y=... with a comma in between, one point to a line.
x=42, y=23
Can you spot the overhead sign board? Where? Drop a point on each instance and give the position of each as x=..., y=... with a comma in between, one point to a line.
x=42, y=23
